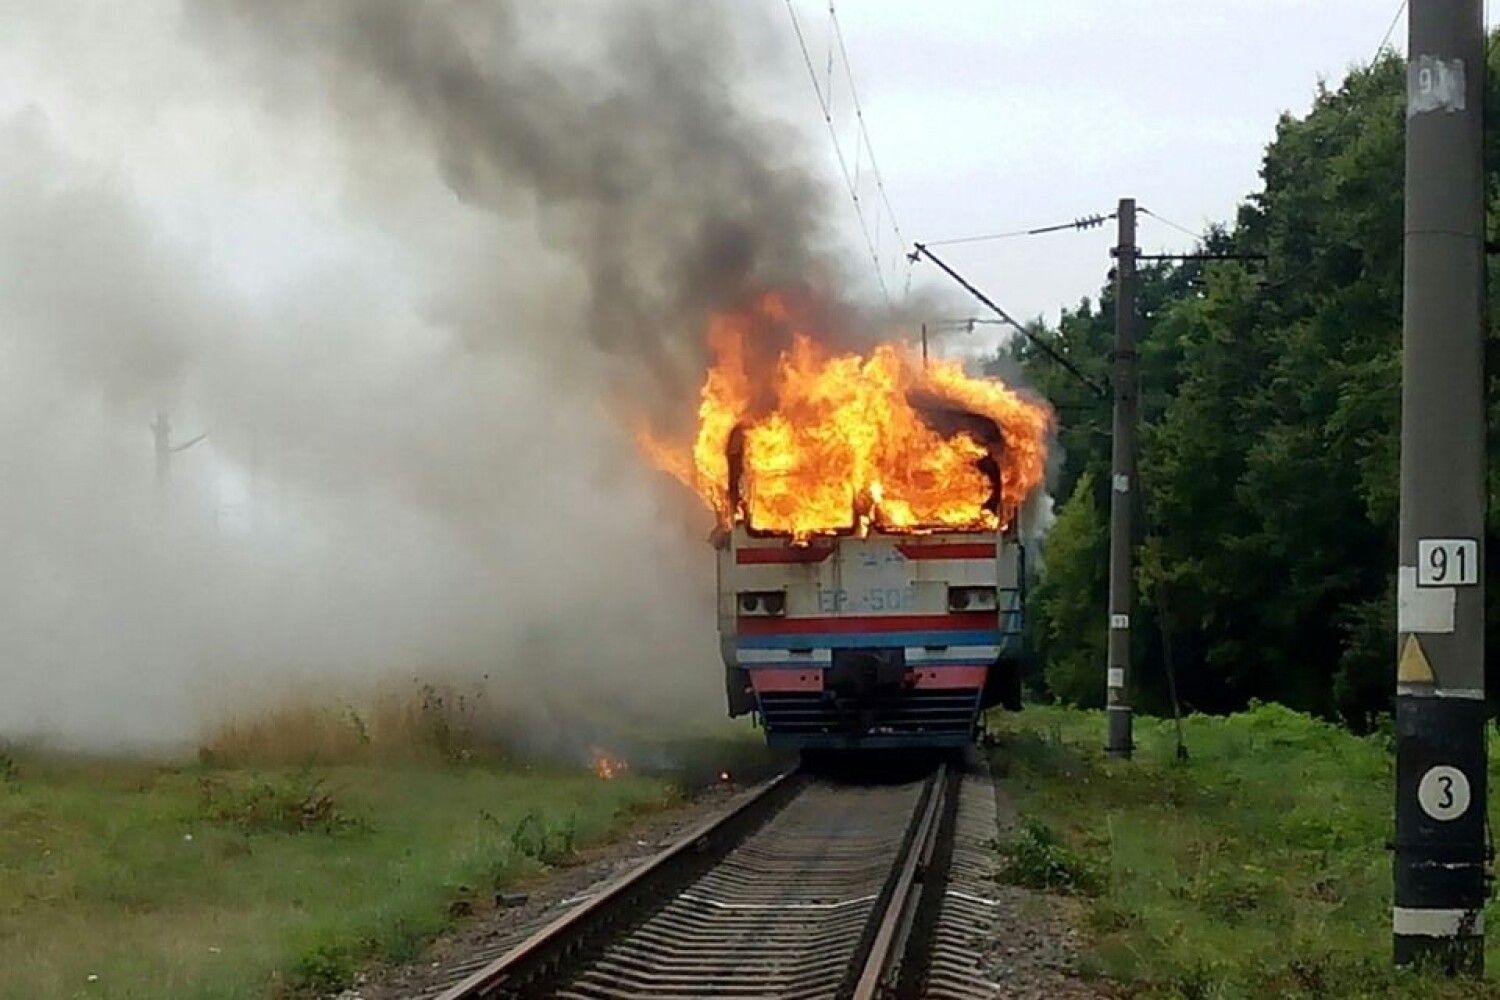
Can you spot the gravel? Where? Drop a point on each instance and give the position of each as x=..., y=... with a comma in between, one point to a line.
x=1033, y=952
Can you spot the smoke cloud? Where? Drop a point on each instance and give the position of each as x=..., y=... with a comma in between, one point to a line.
x=620, y=123
x=414, y=268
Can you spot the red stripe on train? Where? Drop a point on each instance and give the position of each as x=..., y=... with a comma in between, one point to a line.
x=947, y=678
x=960, y=550
x=968, y=620
x=779, y=679
x=783, y=554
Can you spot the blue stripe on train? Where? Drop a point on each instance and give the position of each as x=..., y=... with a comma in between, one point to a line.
x=841, y=640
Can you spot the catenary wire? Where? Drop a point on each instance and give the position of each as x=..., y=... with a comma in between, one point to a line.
x=1083, y=222
x=859, y=115
x=1177, y=226
x=1385, y=39
x=838, y=150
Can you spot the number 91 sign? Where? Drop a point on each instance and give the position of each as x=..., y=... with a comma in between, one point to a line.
x=1447, y=562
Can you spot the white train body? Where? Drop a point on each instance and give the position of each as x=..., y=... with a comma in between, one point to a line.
x=890, y=640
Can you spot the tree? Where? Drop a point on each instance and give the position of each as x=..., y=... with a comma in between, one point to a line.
x=1269, y=462
x=1066, y=607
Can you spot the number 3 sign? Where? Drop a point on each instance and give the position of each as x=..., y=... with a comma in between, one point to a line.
x=1444, y=793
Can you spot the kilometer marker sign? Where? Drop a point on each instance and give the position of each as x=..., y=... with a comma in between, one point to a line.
x=1443, y=793
x=1447, y=562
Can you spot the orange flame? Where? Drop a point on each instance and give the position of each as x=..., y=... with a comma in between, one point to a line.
x=606, y=766
x=833, y=442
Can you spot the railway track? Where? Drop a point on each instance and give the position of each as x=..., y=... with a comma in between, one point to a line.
x=804, y=887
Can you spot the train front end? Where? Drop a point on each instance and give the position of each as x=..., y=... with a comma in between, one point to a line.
x=875, y=642
x=868, y=509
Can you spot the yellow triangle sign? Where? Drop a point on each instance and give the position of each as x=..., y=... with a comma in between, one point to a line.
x=1414, y=668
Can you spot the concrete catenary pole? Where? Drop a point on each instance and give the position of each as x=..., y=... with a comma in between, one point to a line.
x=1122, y=489
x=161, y=434
x=1440, y=752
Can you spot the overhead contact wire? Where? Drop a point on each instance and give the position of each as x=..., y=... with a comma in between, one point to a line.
x=859, y=115
x=1385, y=39
x=1081, y=223
x=921, y=249
x=1166, y=221
x=838, y=150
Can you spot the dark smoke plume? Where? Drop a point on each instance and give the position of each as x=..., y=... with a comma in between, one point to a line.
x=622, y=120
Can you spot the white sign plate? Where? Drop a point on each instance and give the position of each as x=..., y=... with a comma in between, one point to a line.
x=1434, y=84
x=1119, y=621
x=1116, y=677
x=1447, y=562
x=1444, y=793
x=1423, y=609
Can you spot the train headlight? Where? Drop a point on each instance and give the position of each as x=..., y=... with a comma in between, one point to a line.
x=770, y=603
x=971, y=599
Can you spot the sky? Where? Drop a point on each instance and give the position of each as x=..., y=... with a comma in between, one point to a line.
x=996, y=115
x=984, y=116
x=422, y=272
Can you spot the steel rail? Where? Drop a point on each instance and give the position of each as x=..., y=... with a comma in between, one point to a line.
x=541, y=953
x=882, y=961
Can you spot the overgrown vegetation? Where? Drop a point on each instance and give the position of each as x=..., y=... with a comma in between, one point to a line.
x=535, y=836
x=213, y=882
x=426, y=720
x=1255, y=868
x=1270, y=393
x=290, y=803
x=10, y=771
x=1036, y=858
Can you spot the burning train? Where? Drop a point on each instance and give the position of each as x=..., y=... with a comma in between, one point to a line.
x=871, y=572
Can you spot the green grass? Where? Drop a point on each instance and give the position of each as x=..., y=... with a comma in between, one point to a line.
x=230, y=882
x=1257, y=868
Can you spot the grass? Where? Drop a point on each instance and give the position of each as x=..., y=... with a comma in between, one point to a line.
x=1257, y=868
x=1038, y=859
x=252, y=879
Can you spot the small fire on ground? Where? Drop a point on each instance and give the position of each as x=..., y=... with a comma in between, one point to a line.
x=606, y=765
x=796, y=439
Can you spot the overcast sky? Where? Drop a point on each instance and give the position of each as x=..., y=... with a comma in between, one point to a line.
x=995, y=115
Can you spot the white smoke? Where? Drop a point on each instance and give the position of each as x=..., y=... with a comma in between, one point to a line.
x=414, y=354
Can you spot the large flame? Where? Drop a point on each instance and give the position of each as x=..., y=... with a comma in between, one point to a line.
x=836, y=442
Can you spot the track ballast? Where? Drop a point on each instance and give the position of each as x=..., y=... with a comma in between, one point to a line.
x=805, y=888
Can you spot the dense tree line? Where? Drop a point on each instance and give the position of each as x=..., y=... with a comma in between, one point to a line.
x=1270, y=398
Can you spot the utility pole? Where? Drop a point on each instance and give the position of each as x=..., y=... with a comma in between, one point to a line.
x=1440, y=752
x=161, y=433
x=1122, y=488
x=1123, y=491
